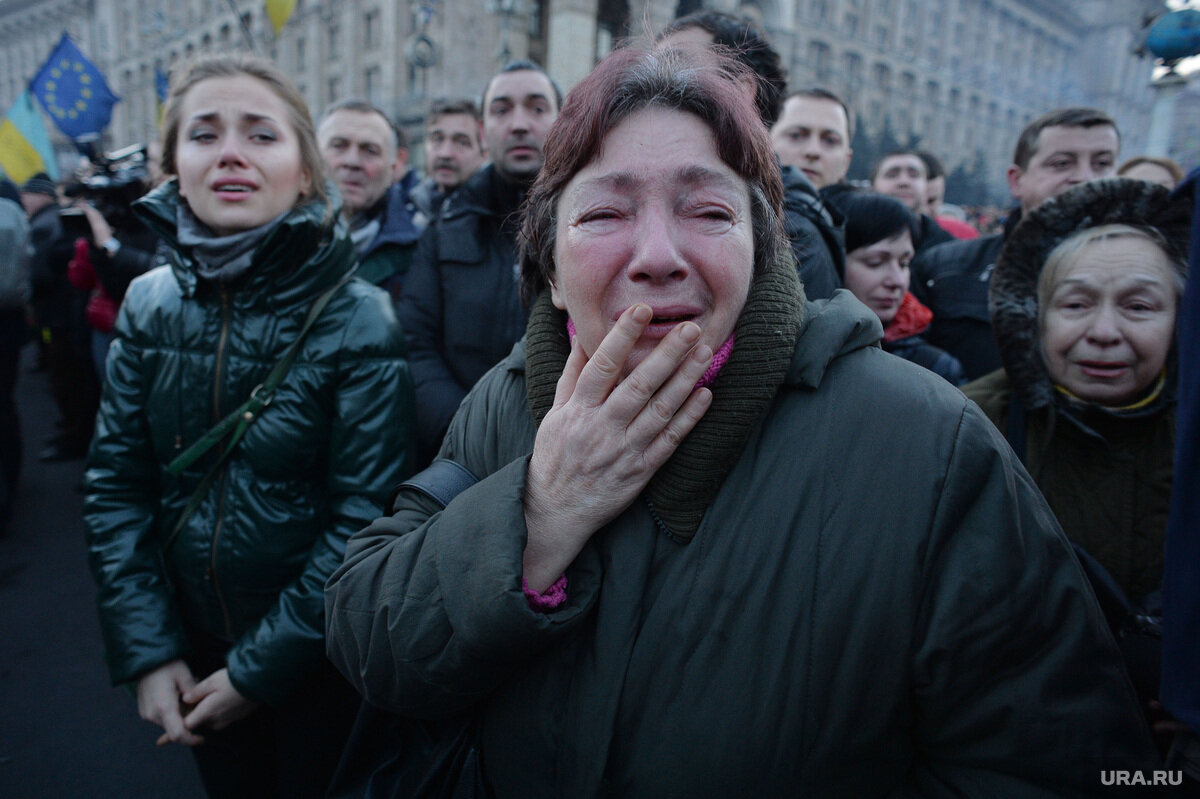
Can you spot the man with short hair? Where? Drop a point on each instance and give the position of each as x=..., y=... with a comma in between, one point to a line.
x=815, y=228
x=461, y=307
x=453, y=152
x=367, y=158
x=813, y=135
x=935, y=193
x=902, y=174
x=1055, y=152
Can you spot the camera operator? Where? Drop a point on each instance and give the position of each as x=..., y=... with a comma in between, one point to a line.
x=114, y=247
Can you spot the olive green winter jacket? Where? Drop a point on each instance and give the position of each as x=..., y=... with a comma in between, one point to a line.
x=877, y=603
x=250, y=563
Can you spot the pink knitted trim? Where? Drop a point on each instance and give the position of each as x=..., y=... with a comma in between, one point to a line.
x=710, y=374
x=549, y=599
x=719, y=358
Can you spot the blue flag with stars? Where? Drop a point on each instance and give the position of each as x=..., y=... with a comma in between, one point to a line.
x=73, y=91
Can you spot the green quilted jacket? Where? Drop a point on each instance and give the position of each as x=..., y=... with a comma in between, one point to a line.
x=250, y=564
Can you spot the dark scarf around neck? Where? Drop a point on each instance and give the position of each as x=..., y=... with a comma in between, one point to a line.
x=681, y=491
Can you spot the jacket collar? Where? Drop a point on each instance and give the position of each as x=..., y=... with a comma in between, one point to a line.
x=487, y=194
x=308, y=251
x=397, y=226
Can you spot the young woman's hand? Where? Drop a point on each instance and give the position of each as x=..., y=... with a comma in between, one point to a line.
x=160, y=700
x=606, y=436
x=217, y=703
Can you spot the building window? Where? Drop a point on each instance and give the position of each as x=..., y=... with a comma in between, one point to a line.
x=335, y=40
x=850, y=25
x=881, y=76
x=335, y=89
x=820, y=60
x=371, y=29
x=300, y=52
x=852, y=68
x=373, y=84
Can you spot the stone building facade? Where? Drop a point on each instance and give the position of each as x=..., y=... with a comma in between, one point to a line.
x=962, y=75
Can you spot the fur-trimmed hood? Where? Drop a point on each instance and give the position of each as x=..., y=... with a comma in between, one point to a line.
x=1012, y=298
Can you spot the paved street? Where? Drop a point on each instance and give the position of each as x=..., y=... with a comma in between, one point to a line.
x=64, y=731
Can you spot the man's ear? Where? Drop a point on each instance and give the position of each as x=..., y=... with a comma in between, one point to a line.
x=399, y=163
x=556, y=297
x=1014, y=174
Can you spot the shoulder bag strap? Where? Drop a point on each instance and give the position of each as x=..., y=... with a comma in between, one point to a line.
x=234, y=425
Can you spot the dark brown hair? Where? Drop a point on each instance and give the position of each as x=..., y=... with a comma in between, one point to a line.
x=709, y=86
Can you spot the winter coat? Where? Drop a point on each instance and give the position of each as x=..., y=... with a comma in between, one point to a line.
x=461, y=307
x=952, y=280
x=842, y=623
x=389, y=255
x=249, y=565
x=1181, y=578
x=1107, y=479
x=816, y=230
x=903, y=338
x=52, y=297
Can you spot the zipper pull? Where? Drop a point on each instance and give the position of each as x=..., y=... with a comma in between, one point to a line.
x=178, y=442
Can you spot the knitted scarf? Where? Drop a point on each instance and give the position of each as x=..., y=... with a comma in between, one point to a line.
x=766, y=331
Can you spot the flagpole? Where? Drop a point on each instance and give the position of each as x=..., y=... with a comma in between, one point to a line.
x=242, y=24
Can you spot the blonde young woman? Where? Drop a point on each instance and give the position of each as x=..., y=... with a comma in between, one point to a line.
x=211, y=587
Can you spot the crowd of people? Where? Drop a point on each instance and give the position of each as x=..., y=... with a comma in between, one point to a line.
x=630, y=451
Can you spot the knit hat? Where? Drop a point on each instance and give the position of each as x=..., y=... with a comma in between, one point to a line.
x=39, y=184
x=1012, y=298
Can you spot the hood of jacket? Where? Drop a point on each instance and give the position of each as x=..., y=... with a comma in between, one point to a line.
x=801, y=197
x=308, y=251
x=830, y=329
x=1012, y=297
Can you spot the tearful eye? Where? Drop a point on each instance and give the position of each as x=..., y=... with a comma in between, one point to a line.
x=602, y=215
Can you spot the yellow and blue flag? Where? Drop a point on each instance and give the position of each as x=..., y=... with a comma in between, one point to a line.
x=278, y=12
x=25, y=146
x=162, y=85
x=73, y=91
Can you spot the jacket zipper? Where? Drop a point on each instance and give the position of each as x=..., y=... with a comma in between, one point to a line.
x=212, y=555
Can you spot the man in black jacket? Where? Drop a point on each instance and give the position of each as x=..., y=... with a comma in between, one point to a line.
x=1056, y=152
x=58, y=312
x=461, y=307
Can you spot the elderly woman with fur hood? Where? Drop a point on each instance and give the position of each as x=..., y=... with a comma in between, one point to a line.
x=1083, y=302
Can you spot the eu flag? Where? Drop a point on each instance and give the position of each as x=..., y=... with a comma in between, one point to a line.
x=73, y=91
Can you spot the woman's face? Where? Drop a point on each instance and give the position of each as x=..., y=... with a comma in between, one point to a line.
x=656, y=218
x=1109, y=320
x=878, y=274
x=237, y=155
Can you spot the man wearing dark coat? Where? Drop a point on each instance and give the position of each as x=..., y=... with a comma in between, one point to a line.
x=461, y=306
